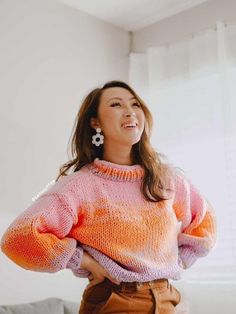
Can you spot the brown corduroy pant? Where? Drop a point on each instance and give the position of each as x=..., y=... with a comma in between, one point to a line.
x=152, y=297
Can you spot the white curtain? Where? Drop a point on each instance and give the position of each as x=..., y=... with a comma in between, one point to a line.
x=190, y=88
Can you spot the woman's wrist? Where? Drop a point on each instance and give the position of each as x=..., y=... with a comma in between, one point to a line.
x=86, y=261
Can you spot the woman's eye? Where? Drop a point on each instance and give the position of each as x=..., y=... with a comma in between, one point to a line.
x=117, y=103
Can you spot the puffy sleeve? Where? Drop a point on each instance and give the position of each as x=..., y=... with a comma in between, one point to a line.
x=198, y=231
x=39, y=238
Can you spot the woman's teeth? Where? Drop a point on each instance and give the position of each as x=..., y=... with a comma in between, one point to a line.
x=129, y=125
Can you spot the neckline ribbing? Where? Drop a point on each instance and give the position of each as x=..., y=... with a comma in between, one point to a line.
x=116, y=172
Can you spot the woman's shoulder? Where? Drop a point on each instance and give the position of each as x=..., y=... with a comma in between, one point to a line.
x=178, y=177
x=75, y=178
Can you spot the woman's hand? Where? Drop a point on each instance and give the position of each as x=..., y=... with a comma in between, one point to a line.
x=98, y=273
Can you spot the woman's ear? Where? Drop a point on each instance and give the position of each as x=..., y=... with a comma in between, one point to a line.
x=94, y=123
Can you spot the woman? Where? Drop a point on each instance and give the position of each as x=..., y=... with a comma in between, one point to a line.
x=123, y=218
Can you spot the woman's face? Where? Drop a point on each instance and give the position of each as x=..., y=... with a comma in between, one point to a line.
x=120, y=116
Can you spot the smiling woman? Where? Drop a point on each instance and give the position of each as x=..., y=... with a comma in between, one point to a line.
x=102, y=116
x=123, y=218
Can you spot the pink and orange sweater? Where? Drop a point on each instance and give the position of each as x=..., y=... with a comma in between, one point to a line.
x=100, y=209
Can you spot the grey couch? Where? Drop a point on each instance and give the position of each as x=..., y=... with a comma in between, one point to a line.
x=47, y=306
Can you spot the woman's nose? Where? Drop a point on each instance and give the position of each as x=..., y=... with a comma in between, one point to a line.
x=129, y=114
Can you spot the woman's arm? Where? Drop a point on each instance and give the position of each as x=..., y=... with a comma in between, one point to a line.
x=39, y=238
x=198, y=231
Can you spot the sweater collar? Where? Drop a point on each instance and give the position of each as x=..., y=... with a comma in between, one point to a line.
x=116, y=172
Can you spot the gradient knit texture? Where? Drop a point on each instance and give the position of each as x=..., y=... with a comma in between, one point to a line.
x=101, y=209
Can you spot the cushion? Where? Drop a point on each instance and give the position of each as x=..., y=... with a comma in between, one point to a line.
x=47, y=306
x=71, y=307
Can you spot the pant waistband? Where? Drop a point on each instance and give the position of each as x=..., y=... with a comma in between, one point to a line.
x=161, y=284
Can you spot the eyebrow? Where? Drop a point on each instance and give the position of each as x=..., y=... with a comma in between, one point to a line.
x=120, y=98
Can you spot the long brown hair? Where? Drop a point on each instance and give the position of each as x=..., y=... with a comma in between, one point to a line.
x=157, y=173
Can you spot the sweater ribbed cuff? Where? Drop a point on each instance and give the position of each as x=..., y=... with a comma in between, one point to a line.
x=75, y=262
x=76, y=259
x=187, y=257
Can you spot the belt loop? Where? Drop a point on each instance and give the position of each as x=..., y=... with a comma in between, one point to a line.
x=151, y=284
x=139, y=284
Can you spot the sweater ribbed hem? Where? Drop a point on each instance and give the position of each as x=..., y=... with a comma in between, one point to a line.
x=116, y=271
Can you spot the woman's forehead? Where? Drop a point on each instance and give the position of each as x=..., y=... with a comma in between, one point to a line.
x=116, y=92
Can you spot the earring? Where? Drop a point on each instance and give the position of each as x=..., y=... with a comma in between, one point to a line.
x=98, y=137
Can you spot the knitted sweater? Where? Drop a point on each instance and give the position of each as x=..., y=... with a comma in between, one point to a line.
x=100, y=209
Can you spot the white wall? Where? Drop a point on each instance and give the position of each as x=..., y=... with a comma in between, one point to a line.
x=51, y=56
x=184, y=24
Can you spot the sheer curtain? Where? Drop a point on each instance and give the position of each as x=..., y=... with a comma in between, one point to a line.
x=190, y=88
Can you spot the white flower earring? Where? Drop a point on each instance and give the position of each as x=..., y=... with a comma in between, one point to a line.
x=98, y=138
